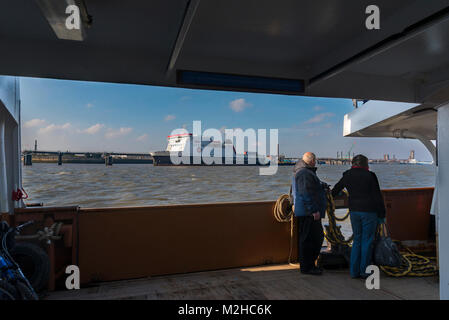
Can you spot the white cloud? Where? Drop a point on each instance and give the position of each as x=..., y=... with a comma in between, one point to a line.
x=34, y=123
x=317, y=108
x=142, y=137
x=320, y=117
x=93, y=129
x=54, y=127
x=118, y=133
x=169, y=117
x=89, y=105
x=239, y=105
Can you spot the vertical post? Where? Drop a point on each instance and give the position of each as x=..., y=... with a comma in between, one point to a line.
x=27, y=159
x=278, y=154
x=59, y=158
x=16, y=147
x=4, y=199
x=10, y=153
x=108, y=160
x=443, y=199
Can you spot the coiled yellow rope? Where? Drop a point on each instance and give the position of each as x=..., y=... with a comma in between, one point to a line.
x=333, y=233
x=412, y=265
x=283, y=213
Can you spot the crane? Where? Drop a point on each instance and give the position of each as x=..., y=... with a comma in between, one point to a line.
x=350, y=149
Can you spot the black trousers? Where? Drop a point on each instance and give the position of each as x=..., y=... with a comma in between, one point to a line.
x=310, y=238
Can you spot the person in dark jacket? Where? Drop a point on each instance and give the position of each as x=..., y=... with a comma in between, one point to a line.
x=309, y=200
x=367, y=209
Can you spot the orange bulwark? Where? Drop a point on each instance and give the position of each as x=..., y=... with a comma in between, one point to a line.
x=136, y=242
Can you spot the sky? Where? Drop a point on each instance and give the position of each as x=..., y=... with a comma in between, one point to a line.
x=95, y=116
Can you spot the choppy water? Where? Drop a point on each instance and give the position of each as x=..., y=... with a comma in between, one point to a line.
x=92, y=185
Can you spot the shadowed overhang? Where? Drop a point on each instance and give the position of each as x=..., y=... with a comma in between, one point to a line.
x=312, y=48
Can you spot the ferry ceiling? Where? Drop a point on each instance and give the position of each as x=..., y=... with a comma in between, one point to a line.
x=312, y=48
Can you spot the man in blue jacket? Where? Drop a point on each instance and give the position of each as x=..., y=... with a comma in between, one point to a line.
x=309, y=200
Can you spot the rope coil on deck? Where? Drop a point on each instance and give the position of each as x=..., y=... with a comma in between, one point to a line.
x=412, y=264
x=283, y=213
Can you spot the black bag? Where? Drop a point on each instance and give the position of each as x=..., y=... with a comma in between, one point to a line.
x=385, y=252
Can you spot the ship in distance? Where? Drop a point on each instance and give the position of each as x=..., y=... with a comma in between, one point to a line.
x=180, y=152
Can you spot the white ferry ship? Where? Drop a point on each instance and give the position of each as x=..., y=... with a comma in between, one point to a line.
x=180, y=151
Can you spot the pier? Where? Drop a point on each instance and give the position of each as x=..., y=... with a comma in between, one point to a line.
x=334, y=161
x=107, y=158
x=331, y=161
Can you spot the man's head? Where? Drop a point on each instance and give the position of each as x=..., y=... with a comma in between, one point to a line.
x=309, y=158
x=360, y=161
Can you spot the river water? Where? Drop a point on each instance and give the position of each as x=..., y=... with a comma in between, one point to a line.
x=96, y=185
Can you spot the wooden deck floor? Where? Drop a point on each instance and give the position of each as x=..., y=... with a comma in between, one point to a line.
x=265, y=282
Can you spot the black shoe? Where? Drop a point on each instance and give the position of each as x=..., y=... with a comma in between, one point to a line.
x=313, y=271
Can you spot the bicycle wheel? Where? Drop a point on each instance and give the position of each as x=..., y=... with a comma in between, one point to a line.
x=7, y=291
x=25, y=292
x=34, y=262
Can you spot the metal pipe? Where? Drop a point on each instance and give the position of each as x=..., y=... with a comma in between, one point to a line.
x=4, y=199
x=443, y=199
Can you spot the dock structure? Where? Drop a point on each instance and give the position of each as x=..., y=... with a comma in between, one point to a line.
x=30, y=156
x=27, y=159
x=346, y=161
x=330, y=161
x=108, y=160
x=334, y=161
